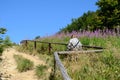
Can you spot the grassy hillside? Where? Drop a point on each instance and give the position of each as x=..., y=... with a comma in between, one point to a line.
x=93, y=66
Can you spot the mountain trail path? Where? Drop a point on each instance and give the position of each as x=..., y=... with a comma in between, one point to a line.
x=8, y=67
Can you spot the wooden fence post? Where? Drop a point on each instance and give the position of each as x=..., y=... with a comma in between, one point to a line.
x=61, y=67
x=54, y=67
x=26, y=43
x=49, y=47
x=35, y=45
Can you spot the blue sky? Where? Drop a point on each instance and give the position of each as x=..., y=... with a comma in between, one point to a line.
x=26, y=19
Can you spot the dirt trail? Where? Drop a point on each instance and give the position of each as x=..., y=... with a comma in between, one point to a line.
x=8, y=66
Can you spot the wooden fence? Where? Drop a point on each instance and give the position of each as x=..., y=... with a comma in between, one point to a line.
x=57, y=61
x=25, y=42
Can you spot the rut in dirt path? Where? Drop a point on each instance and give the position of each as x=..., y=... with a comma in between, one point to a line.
x=8, y=66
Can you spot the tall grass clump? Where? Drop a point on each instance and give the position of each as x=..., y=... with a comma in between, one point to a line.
x=103, y=68
x=23, y=64
x=41, y=70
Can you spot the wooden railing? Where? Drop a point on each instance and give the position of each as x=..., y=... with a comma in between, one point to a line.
x=25, y=42
x=58, y=62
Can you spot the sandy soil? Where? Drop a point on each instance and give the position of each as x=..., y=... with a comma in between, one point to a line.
x=8, y=66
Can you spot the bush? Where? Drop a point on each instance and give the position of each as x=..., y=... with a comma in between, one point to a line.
x=40, y=70
x=1, y=50
x=23, y=64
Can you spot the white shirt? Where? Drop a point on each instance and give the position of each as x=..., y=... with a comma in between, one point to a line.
x=74, y=43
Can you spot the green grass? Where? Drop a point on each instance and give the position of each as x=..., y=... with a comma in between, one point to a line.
x=94, y=66
x=40, y=70
x=103, y=68
x=23, y=64
x=98, y=66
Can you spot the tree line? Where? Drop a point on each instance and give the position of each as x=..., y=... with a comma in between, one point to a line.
x=4, y=40
x=107, y=16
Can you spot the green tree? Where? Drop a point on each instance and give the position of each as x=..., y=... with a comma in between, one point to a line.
x=109, y=12
x=88, y=21
x=7, y=41
x=37, y=37
x=107, y=16
x=4, y=42
x=2, y=31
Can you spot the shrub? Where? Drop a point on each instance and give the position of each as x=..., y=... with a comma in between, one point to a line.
x=40, y=70
x=23, y=64
x=1, y=50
